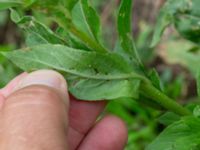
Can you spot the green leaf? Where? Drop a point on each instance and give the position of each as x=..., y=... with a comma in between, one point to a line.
x=37, y=33
x=187, y=22
x=109, y=73
x=88, y=89
x=128, y=49
x=76, y=25
x=188, y=26
x=86, y=19
x=92, y=19
x=5, y=4
x=181, y=135
x=167, y=17
x=168, y=118
x=70, y=4
x=184, y=14
x=155, y=79
x=71, y=39
x=14, y=15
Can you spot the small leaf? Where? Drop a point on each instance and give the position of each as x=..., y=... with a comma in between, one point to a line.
x=168, y=118
x=37, y=29
x=14, y=15
x=128, y=49
x=92, y=18
x=167, y=17
x=34, y=39
x=37, y=33
x=155, y=79
x=164, y=20
x=181, y=135
x=107, y=74
x=5, y=4
x=72, y=41
x=86, y=19
x=187, y=21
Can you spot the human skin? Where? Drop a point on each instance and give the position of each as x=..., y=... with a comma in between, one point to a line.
x=37, y=113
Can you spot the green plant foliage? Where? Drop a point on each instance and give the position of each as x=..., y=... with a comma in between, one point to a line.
x=72, y=43
x=127, y=46
x=5, y=4
x=184, y=14
x=181, y=135
x=154, y=77
x=5, y=68
x=168, y=118
x=92, y=20
x=70, y=4
x=96, y=72
x=86, y=18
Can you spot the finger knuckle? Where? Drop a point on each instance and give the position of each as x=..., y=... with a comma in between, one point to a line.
x=35, y=93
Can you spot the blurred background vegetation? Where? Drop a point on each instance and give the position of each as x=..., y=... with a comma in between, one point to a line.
x=170, y=58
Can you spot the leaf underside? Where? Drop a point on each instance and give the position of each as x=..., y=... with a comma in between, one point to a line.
x=91, y=75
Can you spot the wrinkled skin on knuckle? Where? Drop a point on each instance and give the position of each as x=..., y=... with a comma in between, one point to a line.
x=36, y=94
x=37, y=113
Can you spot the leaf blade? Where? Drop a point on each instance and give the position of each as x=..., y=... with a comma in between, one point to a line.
x=109, y=72
x=70, y=4
x=104, y=89
x=167, y=16
x=85, y=17
x=125, y=32
x=5, y=4
x=181, y=135
x=38, y=33
x=92, y=19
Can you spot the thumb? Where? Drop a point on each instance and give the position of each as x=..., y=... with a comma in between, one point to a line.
x=35, y=115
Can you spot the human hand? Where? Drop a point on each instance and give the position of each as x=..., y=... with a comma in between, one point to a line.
x=36, y=113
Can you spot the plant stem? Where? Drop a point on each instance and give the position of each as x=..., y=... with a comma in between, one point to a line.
x=159, y=97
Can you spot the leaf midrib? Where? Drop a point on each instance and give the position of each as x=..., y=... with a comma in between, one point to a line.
x=131, y=75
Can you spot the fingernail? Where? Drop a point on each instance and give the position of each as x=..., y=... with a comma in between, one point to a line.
x=47, y=78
